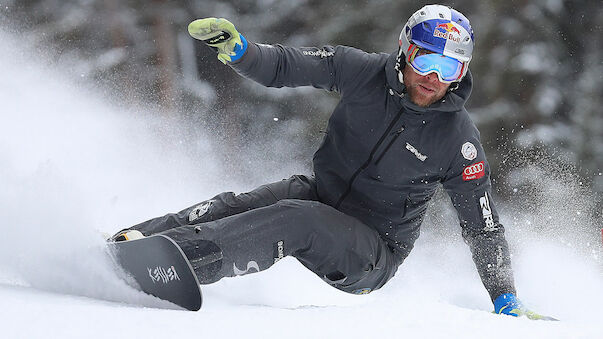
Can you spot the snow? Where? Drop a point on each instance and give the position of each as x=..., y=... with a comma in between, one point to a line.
x=73, y=163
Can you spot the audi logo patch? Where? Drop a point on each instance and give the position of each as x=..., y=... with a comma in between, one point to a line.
x=474, y=171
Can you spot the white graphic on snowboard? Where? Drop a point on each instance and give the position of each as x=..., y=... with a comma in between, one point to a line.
x=160, y=274
x=250, y=265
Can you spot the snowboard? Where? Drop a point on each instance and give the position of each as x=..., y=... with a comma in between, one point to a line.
x=159, y=268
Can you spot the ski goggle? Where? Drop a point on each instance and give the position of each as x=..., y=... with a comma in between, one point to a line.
x=424, y=62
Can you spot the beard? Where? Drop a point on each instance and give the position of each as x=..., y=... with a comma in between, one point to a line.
x=421, y=90
x=424, y=95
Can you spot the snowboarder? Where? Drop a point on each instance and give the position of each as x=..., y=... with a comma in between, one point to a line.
x=399, y=130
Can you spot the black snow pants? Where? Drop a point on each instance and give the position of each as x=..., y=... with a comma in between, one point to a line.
x=231, y=235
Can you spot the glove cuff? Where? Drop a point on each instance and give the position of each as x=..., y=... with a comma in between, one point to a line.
x=239, y=50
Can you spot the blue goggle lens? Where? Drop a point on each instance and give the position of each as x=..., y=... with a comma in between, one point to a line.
x=447, y=68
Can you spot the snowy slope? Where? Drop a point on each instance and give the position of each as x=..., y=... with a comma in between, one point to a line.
x=73, y=164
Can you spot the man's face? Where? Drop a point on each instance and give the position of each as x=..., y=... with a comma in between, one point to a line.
x=423, y=90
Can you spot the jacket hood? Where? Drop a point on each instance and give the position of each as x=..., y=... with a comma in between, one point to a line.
x=451, y=102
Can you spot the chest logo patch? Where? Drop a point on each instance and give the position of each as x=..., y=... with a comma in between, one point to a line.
x=414, y=151
x=469, y=151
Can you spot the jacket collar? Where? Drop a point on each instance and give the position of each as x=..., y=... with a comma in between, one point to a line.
x=452, y=102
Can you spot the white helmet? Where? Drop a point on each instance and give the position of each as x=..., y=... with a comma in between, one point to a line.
x=447, y=37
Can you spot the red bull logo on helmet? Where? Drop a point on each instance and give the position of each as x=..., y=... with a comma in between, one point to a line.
x=447, y=31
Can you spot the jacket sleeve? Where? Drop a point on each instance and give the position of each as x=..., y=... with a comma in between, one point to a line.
x=467, y=182
x=330, y=68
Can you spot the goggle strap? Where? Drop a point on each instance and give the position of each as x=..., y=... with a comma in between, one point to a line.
x=412, y=51
x=462, y=71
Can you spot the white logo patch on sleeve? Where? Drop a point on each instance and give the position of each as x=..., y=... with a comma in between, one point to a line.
x=469, y=151
x=319, y=53
x=484, y=203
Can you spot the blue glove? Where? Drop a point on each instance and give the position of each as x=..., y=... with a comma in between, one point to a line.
x=509, y=304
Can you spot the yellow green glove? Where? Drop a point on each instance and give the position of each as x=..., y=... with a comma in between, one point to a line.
x=221, y=35
x=531, y=315
x=509, y=304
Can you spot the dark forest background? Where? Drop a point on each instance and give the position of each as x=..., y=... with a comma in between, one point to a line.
x=537, y=67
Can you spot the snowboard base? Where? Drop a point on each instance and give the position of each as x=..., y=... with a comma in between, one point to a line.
x=160, y=268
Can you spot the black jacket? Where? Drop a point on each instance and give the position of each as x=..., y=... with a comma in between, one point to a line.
x=383, y=156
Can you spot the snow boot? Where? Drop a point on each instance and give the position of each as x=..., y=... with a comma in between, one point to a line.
x=127, y=235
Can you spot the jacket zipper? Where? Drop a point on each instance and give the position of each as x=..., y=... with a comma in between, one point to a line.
x=391, y=142
x=370, y=158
